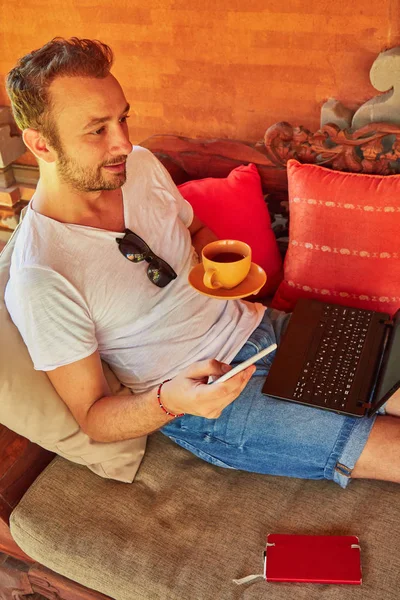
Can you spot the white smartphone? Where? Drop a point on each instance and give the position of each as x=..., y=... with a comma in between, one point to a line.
x=246, y=363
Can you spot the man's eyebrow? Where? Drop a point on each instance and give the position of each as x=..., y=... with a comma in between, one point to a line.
x=98, y=120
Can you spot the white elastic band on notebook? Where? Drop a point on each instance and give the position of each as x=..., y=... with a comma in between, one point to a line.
x=248, y=579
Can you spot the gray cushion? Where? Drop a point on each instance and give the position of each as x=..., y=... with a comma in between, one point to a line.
x=184, y=529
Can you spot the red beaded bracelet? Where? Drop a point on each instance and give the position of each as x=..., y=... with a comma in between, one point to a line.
x=162, y=405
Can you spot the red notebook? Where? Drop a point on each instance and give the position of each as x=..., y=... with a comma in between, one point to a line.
x=313, y=558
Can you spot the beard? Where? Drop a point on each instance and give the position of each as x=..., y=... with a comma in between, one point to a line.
x=86, y=179
x=89, y=179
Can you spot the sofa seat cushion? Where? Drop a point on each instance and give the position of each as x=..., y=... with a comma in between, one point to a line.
x=184, y=529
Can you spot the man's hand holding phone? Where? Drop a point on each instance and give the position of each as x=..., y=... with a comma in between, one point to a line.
x=189, y=392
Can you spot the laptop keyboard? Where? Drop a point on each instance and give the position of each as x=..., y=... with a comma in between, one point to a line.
x=331, y=366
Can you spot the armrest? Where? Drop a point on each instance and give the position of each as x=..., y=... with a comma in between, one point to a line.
x=21, y=461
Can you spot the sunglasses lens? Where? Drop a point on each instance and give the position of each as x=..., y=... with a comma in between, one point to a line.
x=160, y=273
x=136, y=250
x=132, y=250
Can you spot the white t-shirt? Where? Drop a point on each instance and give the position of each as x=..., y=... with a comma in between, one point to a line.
x=71, y=291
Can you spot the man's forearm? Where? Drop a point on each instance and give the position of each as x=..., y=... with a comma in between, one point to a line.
x=201, y=238
x=114, y=418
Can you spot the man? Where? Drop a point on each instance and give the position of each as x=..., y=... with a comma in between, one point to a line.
x=75, y=297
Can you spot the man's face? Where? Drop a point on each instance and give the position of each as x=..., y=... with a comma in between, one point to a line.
x=90, y=132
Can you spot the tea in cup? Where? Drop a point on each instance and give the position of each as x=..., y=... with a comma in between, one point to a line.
x=226, y=263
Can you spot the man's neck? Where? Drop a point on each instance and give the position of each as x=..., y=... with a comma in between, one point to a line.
x=102, y=209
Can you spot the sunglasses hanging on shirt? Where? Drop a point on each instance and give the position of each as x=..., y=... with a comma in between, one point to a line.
x=136, y=250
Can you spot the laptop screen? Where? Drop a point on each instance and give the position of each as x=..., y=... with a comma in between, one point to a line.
x=389, y=380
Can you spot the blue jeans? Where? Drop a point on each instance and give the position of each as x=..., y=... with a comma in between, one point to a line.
x=260, y=434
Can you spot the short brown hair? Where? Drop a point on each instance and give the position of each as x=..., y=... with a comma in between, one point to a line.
x=28, y=82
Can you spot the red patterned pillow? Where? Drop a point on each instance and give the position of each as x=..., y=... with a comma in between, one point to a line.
x=234, y=208
x=343, y=239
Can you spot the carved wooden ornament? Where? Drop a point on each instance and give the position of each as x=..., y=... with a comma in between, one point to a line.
x=374, y=148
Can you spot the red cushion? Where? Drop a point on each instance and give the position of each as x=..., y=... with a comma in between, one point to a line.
x=234, y=208
x=343, y=239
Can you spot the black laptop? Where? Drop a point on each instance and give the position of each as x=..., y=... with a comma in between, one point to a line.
x=337, y=358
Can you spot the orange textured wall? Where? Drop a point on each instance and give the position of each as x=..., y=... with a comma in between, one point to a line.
x=218, y=68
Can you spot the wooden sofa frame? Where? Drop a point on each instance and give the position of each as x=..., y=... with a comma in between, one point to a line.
x=372, y=149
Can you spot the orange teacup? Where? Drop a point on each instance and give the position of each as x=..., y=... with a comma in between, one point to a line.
x=226, y=263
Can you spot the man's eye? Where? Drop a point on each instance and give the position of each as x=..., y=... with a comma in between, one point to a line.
x=98, y=131
x=124, y=119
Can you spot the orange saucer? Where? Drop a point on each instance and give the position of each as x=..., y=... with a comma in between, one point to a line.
x=251, y=285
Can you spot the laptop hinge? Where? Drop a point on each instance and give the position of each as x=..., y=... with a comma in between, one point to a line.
x=388, y=323
x=366, y=405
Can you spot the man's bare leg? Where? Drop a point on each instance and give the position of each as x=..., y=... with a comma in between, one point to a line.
x=380, y=458
x=393, y=405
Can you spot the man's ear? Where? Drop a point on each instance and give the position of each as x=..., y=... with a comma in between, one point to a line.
x=38, y=145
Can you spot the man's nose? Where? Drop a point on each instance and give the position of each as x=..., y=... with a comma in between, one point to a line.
x=120, y=142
